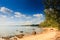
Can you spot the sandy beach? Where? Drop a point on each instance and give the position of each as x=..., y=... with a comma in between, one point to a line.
x=46, y=35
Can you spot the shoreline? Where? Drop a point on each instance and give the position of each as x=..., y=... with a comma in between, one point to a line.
x=47, y=31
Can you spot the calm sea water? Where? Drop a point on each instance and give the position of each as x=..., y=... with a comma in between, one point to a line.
x=15, y=30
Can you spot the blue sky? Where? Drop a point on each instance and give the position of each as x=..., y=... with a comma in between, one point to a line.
x=21, y=12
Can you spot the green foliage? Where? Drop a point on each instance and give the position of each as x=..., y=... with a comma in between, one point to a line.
x=52, y=14
x=49, y=23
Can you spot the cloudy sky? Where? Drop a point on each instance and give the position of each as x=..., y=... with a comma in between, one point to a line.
x=20, y=12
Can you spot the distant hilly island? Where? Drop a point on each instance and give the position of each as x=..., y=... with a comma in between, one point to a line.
x=31, y=25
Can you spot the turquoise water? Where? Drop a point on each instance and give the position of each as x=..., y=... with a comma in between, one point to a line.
x=15, y=30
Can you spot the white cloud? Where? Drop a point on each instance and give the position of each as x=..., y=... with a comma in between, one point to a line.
x=18, y=14
x=38, y=15
x=5, y=10
x=18, y=18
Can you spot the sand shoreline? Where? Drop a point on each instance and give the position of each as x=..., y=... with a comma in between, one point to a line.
x=47, y=34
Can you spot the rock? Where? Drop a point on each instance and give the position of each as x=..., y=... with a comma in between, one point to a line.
x=20, y=36
x=33, y=33
x=21, y=31
x=15, y=38
x=6, y=38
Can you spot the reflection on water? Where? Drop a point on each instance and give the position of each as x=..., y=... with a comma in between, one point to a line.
x=14, y=30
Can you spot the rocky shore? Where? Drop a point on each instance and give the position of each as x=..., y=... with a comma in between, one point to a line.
x=46, y=34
